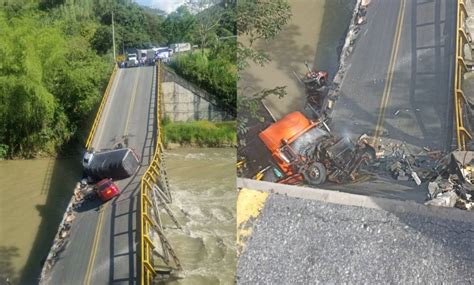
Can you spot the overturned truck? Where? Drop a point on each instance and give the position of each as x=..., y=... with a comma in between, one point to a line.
x=114, y=164
x=305, y=152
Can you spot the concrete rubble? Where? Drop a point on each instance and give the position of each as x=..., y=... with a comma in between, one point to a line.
x=454, y=184
x=449, y=177
x=404, y=165
x=81, y=196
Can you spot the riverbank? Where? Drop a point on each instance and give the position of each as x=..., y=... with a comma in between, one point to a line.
x=199, y=134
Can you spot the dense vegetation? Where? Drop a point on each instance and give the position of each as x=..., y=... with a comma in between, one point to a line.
x=214, y=73
x=201, y=133
x=213, y=66
x=50, y=79
x=56, y=58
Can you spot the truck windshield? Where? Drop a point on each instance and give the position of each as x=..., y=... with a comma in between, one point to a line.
x=311, y=137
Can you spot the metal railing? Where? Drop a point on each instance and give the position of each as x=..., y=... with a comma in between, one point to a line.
x=90, y=138
x=155, y=249
x=462, y=134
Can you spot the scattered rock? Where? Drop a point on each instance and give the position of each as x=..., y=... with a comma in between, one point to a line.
x=447, y=199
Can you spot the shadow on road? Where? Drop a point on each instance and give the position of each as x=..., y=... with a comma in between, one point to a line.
x=127, y=207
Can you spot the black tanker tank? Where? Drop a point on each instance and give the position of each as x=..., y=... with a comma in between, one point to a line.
x=116, y=164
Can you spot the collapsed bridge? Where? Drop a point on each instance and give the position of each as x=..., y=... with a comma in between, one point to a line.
x=122, y=240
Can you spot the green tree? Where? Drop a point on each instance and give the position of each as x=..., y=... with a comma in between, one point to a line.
x=179, y=26
x=49, y=82
x=208, y=18
x=256, y=20
x=102, y=39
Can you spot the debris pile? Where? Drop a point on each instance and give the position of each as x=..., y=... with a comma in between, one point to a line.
x=454, y=184
x=450, y=176
x=81, y=195
x=403, y=165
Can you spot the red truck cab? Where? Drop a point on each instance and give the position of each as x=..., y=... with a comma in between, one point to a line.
x=106, y=189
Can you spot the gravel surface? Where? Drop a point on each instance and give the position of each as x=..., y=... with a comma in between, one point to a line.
x=299, y=241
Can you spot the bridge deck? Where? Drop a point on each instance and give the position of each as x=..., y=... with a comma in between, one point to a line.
x=399, y=80
x=103, y=243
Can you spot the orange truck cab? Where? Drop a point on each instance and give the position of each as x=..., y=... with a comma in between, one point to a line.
x=289, y=140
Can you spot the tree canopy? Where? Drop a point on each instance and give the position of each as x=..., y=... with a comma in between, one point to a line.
x=56, y=58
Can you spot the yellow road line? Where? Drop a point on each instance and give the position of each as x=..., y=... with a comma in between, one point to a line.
x=95, y=244
x=388, y=81
x=98, y=228
x=132, y=102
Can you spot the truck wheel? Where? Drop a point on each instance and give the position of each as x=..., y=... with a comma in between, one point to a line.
x=315, y=174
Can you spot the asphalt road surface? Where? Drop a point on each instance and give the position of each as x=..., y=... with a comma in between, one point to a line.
x=299, y=241
x=398, y=84
x=103, y=242
x=398, y=81
x=416, y=82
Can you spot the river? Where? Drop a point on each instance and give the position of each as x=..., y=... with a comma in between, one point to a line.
x=34, y=194
x=202, y=182
x=315, y=33
x=33, y=197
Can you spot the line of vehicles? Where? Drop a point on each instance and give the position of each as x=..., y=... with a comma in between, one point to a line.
x=141, y=57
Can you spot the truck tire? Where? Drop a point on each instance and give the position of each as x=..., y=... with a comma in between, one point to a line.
x=315, y=174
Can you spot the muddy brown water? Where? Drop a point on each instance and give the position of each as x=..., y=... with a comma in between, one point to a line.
x=314, y=34
x=33, y=197
x=202, y=182
x=35, y=193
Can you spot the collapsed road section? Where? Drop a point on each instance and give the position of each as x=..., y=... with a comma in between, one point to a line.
x=395, y=84
x=100, y=239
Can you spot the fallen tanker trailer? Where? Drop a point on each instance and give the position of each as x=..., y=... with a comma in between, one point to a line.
x=115, y=164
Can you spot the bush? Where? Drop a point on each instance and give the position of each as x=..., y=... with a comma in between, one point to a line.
x=49, y=83
x=217, y=75
x=201, y=133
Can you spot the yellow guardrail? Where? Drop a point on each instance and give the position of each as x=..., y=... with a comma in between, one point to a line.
x=90, y=138
x=148, y=224
x=462, y=134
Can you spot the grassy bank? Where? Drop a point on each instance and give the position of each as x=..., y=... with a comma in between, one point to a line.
x=200, y=133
